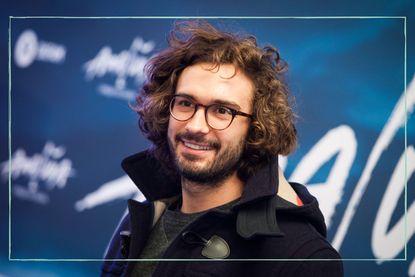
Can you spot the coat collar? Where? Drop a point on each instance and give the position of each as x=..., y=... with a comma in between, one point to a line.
x=257, y=209
x=150, y=178
x=254, y=217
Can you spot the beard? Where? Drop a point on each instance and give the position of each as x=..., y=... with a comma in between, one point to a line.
x=212, y=172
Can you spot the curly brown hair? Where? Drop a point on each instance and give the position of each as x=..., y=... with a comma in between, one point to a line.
x=272, y=129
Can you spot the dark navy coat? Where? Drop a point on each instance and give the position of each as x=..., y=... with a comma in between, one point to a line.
x=265, y=236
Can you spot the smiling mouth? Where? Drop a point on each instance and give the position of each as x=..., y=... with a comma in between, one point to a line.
x=197, y=143
x=196, y=146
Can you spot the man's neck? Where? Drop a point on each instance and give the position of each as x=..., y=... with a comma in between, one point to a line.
x=201, y=197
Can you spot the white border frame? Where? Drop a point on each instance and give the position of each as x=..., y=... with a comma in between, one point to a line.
x=357, y=192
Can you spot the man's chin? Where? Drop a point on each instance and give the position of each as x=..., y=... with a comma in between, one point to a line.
x=195, y=166
x=203, y=173
x=198, y=176
x=195, y=170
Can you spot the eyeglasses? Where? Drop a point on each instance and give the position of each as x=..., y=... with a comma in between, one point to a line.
x=218, y=116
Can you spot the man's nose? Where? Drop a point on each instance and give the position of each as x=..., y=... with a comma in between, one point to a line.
x=198, y=123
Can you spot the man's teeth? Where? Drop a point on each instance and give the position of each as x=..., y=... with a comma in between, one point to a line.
x=196, y=147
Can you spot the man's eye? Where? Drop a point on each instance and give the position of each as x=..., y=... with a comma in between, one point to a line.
x=223, y=110
x=184, y=103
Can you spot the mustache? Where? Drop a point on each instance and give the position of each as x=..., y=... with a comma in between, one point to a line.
x=197, y=138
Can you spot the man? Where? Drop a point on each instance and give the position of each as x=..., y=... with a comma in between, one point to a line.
x=216, y=110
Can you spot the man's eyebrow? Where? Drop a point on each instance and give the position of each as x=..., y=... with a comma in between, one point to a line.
x=229, y=104
x=185, y=94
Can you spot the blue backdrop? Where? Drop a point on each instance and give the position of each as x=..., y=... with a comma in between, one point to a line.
x=71, y=81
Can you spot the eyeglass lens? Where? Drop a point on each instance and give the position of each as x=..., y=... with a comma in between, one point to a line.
x=217, y=116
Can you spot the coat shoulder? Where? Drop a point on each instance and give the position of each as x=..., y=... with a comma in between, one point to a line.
x=117, y=249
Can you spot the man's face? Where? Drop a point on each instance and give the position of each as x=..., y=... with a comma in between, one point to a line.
x=201, y=153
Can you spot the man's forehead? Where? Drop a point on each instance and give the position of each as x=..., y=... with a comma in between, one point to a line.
x=215, y=83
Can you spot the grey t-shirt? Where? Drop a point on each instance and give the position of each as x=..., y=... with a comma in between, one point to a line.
x=163, y=233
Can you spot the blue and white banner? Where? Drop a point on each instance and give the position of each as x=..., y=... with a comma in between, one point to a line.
x=72, y=82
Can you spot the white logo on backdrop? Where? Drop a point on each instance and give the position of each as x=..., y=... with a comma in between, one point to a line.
x=127, y=63
x=29, y=48
x=43, y=172
x=122, y=187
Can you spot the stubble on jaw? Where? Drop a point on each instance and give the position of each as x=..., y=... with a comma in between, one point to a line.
x=215, y=172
